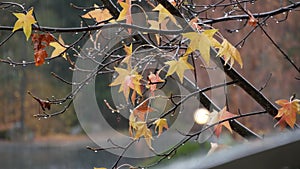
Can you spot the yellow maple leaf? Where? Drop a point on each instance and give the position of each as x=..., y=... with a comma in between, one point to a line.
x=287, y=112
x=210, y=33
x=128, y=79
x=98, y=14
x=125, y=12
x=143, y=130
x=25, y=21
x=163, y=14
x=179, y=67
x=160, y=123
x=128, y=50
x=199, y=41
x=132, y=123
x=59, y=48
x=229, y=52
x=216, y=117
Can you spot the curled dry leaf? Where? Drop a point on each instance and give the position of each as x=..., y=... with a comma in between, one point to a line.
x=45, y=104
x=40, y=42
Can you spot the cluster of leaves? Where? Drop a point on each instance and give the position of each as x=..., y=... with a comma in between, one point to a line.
x=40, y=41
x=129, y=78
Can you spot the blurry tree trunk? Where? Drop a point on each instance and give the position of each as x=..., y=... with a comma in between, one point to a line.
x=22, y=90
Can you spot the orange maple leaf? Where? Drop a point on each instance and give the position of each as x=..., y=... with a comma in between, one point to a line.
x=142, y=109
x=252, y=21
x=216, y=117
x=153, y=79
x=194, y=23
x=287, y=113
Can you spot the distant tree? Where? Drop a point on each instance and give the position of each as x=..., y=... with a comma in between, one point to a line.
x=156, y=62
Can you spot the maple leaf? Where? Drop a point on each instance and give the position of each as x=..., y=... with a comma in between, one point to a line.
x=179, y=67
x=287, y=112
x=127, y=78
x=128, y=50
x=143, y=130
x=98, y=14
x=252, y=21
x=216, y=117
x=210, y=33
x=40, y=42
x=194, y=23
x=160, y=123
x=25, y=21
x=198, y=41
x=125, y=12
x=153, y=79
x=229, y=52
x=132, y=123
x=142, y=109
x=60, y=48
x=163, y=14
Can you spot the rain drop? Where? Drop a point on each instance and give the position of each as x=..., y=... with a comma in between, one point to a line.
x=236, y=30
x=169, y=157
x=277, y=21
x=14, y=65
x=24, y=63
x=84, y=10
x=213, y=10
x=76, y=33
x=95, y=151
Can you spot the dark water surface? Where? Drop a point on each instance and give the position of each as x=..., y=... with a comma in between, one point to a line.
x=67, y=155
